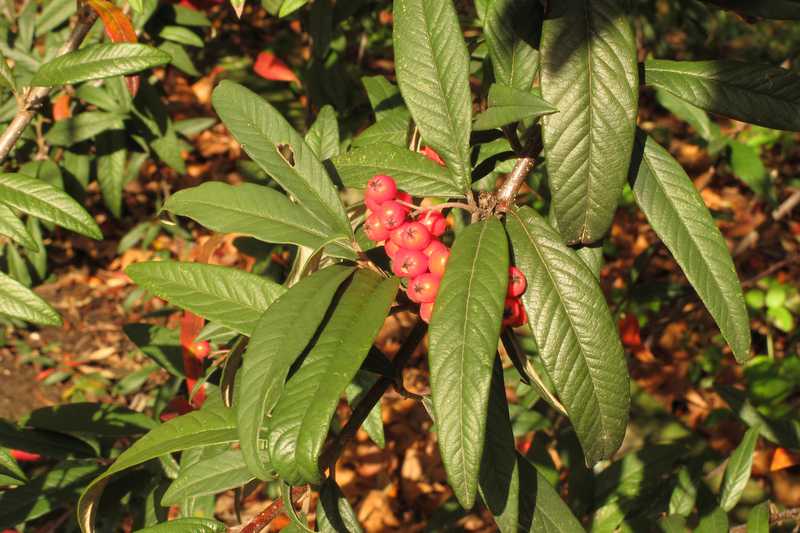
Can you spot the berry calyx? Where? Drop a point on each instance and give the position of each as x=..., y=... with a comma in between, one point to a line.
x=434, y=221
x=426, y=311
x=517, y=284
x=437, y=260
x=374, y=228
x=392, y=214
x=409, y=263
x=423, y=288
x=380, y=189
x=412, y=236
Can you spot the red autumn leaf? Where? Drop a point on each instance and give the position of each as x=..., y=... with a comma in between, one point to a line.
x=629, y=331
x=61, y=108
x=268, y=66
x=431, y=154
x=119, y=29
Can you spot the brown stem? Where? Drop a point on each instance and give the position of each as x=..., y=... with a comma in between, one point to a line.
x=508, y=191
x=364, y=407
x=262, y=519
x=36, y=95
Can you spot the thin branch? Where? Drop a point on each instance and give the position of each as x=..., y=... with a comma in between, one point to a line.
x=508, y=191
x=263, y=519
x=35, y=96
x=364, y=407
x=775, y=518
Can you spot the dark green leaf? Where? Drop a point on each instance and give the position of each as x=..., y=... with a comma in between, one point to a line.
x=589, y=72
x=82, y=127
x=98, y=61
x=272, y=143
x=212, y=425
x=301, y=417
x=44, y=443
x=756, y=93
x=384, y=97
x=181, y=35
x=209, y=476
x=334, y=514
x=679, y=216
x=465, y=330
x=232, y=297
x=715, y=521
x=512, y=29
x=355, y=392
x=769, y=9
x=575, y=333
x=737, y=473
x=10, y=469
x=413, y=172
x=432, y=67
x=187, y=525
x=102, y=420
x=507, y=105
x=111, y=158
x=160, y=344
x=278, y=338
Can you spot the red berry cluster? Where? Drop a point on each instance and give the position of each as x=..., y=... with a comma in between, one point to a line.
x=416, y=252
x=413, y=245
x=514, y=314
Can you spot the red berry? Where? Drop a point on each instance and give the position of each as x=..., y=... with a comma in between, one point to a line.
x=511, y=311
x=435, y=246
x=409, y=263
x=391, y=249
x=201, y=349
x=434, y=221
x=374, y=229
x=392, y=214
x=380, y=189
x=521, y=317
x=437, y=260
x=405, y=197
x=412, y=236
x=423, y=288
x=516, y=282
x=426, y=311
x=372, y=205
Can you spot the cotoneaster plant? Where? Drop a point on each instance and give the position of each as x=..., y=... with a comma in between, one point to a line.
x=560, y=84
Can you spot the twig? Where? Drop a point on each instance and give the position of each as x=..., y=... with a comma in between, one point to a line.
x=772, y=269
x=786, y=207
x=364, y=407
x=775, y=518
x=269, y=514
x=508, y=191
x=36, y=95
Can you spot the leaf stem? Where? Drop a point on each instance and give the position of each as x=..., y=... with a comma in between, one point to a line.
x=34, y=97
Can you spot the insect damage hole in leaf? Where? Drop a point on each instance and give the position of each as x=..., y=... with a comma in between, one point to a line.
x=286, y=153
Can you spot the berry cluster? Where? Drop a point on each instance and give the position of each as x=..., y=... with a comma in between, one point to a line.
x=413, y=245
x=417, y=254
x=514, y=314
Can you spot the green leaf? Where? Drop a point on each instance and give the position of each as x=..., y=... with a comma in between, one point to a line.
x=507, y=105
x=755, y=93
x=50, y=491
x=782, y=432
x=769, y=9
x=693, y=115
x=283, y=154
x=758, y=519
x=464, y=332
x=278, y=338
x=97, y=62
x=42, y=442
x=413, y=172
x=10, y=469
x=432, y=67
x=737, y=473
x=6, y=76
x=83, y=127
x=13, y=228
x=384, y=97
x=747, y=166
x=250, y=209
x=715, y=521
x=86, y=418
x=18, y=301
x=511, y=27
x=683, y=497
x=232, y=297
x=160, y=344
x=186, y=525
x=323, y=137
x=679, y=217
x=672, y=524
x=518, y=496
x=300, y=421
x=592, y=257
x=393, y=129
x=575, y=333
x=111, y=158
x=208, y=476
x=290, y=6
x=208, y=426
x=589, y=72
x=355, y=392
x=181, y=35
x=334, y=513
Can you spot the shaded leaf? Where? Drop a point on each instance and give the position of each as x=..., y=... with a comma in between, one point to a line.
x=507, y=105
x=102, y=420
x=512, y=29
x=737, y=473
x=187, y=525
x=334, y=513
